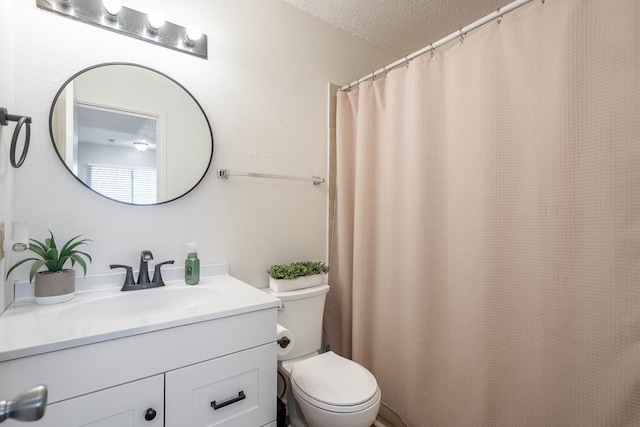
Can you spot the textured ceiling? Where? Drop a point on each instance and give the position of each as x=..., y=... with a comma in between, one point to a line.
x=399, y=26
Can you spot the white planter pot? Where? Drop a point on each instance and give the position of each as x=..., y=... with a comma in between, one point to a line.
x=54, y=288
x=284, y=285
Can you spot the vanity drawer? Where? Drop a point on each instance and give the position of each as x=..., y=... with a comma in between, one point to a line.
x=237, y=390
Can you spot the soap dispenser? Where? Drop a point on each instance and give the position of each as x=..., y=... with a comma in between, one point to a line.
x=192, y=265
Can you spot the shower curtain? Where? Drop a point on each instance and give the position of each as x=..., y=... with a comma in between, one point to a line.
x=485, y=264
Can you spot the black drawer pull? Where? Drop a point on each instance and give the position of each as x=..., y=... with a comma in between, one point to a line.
x=229, y=401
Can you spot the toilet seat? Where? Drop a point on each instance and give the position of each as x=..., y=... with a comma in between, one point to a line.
x=335, y=384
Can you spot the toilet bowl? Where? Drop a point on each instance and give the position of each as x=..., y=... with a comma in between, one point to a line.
x=333, y=391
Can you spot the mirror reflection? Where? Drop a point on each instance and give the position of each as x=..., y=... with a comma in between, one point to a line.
x=131, y=134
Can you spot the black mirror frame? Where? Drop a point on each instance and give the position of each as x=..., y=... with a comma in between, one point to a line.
x=64, y=85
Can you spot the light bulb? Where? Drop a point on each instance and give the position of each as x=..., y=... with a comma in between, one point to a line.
x=156, y=21
x=193, y=34
x=141, y=146
x=112, y=7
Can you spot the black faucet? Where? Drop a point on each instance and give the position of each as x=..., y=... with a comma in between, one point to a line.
x=143, y=275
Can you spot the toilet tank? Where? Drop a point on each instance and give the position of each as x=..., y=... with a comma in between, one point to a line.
x=302, y=314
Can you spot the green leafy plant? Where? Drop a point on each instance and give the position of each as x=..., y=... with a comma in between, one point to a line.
x=52, y=258
x=297, y=269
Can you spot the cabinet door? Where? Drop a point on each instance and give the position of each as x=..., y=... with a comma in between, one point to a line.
x=122, y=406
x=238, y=390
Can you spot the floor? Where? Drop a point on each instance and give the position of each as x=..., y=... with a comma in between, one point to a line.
x=287, y=422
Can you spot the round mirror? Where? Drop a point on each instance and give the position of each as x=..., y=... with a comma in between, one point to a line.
x=131, y=134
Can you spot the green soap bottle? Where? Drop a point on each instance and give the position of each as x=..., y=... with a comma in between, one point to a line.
x=192, y=265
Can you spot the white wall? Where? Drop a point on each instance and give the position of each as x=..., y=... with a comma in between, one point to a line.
x=264, y=89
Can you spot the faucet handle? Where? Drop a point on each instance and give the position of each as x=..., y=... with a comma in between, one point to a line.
x=128, y=280
x=157, y=273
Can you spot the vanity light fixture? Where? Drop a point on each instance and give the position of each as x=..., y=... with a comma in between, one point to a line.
x=141, y=145
x=155, y=21
x=113, y=16
x=192, y=34
x=112, y=7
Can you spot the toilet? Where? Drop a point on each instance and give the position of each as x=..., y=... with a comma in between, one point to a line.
x=323, y=389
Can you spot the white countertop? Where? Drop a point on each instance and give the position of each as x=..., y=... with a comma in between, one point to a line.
x=28, y=329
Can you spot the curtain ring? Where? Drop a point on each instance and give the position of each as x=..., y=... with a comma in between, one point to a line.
x=433, y=51
x=14, y=142
x=461, y=36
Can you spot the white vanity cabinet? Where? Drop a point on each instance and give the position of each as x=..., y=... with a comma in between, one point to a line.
x=236, y=390
x=177, y=371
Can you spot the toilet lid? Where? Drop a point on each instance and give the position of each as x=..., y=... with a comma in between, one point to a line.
x=334, y=380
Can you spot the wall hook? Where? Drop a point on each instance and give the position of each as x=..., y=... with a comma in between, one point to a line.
x=5, y=117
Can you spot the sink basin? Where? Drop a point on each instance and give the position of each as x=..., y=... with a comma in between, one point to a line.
x=142, y=302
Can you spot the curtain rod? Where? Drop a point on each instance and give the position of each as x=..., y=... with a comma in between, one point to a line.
x=458, y=34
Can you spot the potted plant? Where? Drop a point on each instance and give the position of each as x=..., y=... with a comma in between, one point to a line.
x=297, y=275
x=56, y=283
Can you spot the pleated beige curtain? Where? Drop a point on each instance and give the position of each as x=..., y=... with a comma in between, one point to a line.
x=486, y=254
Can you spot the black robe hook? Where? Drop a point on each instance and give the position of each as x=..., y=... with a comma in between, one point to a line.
x=5, y=117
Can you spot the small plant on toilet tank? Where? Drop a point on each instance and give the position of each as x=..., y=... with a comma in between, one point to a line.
x=297, y=275
x=57, y=283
